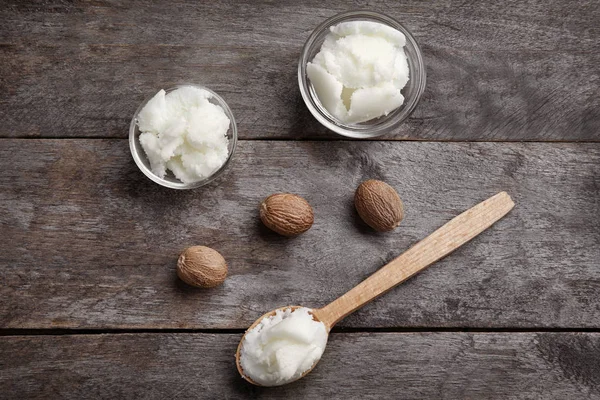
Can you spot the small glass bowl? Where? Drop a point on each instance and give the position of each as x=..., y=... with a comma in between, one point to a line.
x=412, y=92
x=139, y=155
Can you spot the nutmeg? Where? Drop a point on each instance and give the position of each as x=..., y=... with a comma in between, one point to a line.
x=379, y=205
x=201, y=266
x=286, y=214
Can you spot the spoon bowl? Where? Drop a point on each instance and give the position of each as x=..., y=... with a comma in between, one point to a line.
x=270, y=314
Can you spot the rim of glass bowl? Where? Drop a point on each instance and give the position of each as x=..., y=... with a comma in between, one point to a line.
x=134, y=138
x=382, y=125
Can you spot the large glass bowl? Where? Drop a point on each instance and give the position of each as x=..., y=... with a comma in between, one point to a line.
x=412, y=92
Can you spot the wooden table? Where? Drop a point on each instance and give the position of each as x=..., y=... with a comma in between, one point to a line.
x=90, y=303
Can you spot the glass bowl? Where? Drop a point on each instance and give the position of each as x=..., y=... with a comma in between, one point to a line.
x=139, y=155
x=412, y=92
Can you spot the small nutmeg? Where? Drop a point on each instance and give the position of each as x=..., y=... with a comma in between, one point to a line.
x=286, y=214
x=379, y=205
x=201, y=266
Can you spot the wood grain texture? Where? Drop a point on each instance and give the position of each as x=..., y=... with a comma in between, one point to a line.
x=90, y=242
x=511, y=70
x=382, y=365
x=453, y=234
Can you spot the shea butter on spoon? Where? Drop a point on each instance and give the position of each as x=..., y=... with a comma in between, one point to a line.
x=286, y=344
x=360, y=71
x=280, y=346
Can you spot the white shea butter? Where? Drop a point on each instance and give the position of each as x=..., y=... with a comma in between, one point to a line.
x=282, y=347
x=360, y=70
x=184, y=132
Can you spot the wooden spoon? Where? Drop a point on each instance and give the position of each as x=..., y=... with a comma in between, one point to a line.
x=440, y=243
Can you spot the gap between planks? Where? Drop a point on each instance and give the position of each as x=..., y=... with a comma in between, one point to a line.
x=316, y=139
x=336, y=330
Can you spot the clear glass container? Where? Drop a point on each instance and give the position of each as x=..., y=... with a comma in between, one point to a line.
x=170, y=180
x=412, y=92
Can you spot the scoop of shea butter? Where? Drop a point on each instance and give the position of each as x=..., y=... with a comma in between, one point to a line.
x=184, y=132
x=282, y=347
x=360, y=70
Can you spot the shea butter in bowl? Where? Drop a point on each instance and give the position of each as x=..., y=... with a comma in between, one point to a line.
x=183, y=137
x=361, y=74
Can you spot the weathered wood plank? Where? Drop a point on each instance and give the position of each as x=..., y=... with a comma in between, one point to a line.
x=374, y=366
x=511, y=70
x=88, y=241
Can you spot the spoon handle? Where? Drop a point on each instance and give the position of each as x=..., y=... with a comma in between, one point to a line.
x=440, y=243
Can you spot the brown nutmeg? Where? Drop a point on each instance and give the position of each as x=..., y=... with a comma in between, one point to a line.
x=379, y=205
x=201, y=266
x=286, y=214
